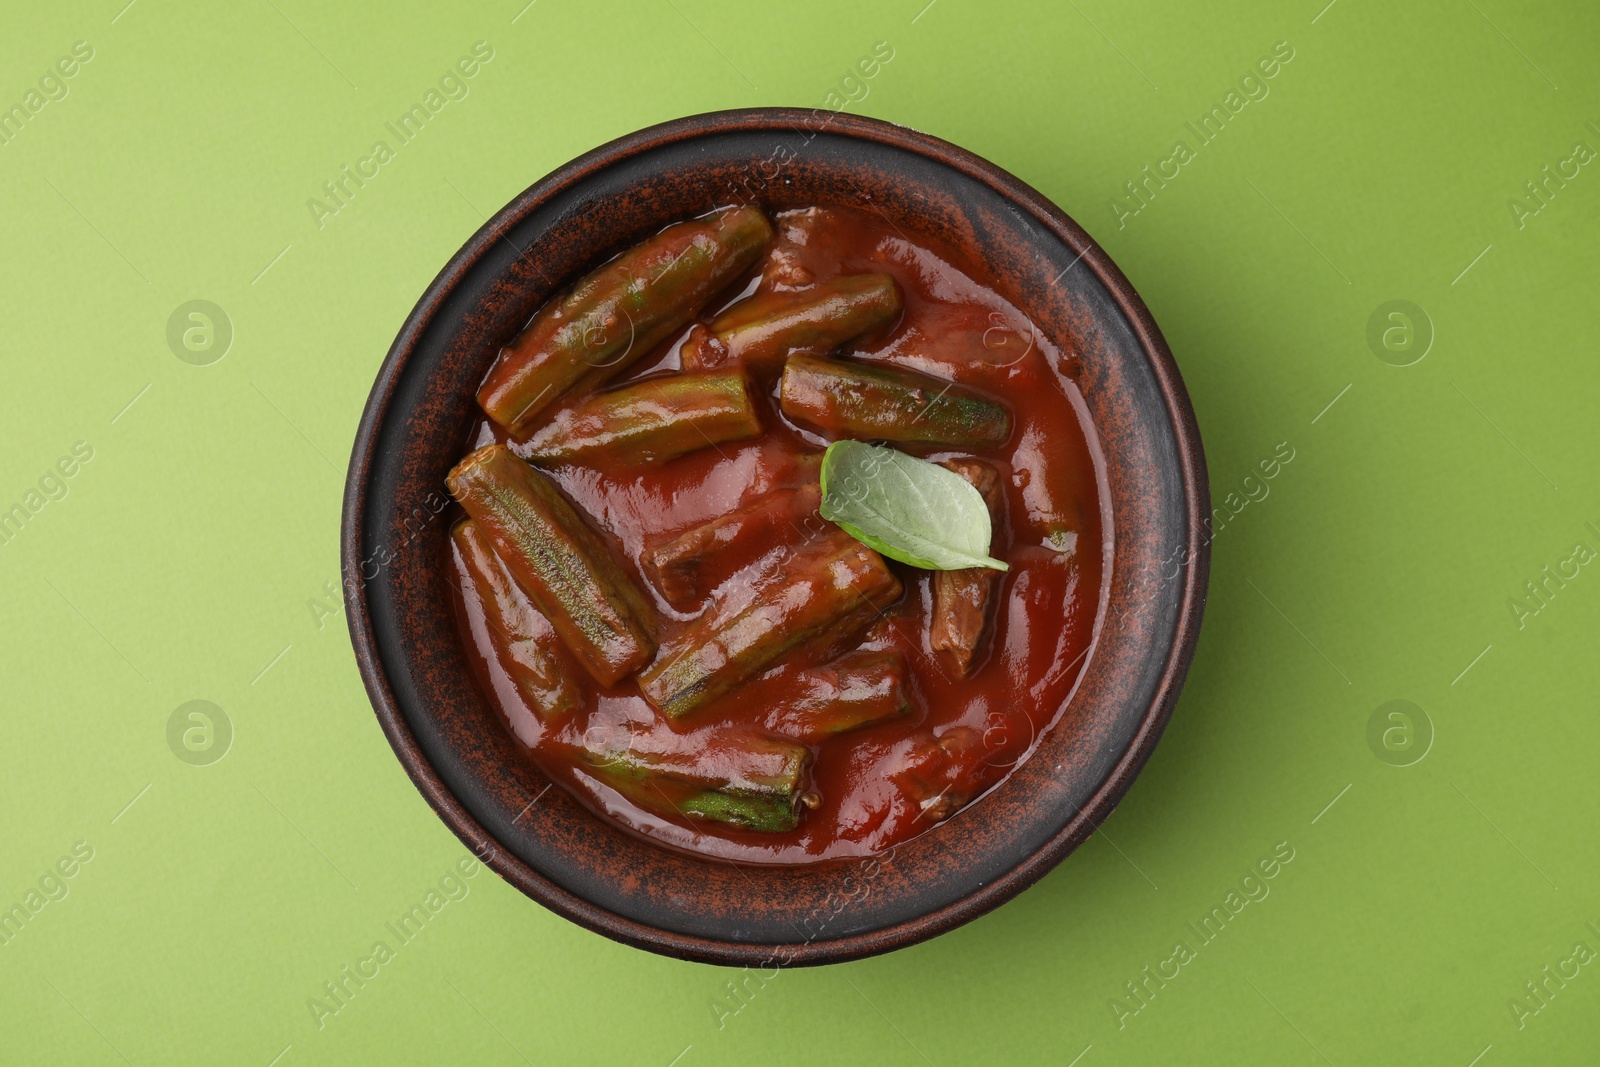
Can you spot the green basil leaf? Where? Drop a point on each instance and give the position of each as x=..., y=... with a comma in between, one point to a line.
x=907, y=508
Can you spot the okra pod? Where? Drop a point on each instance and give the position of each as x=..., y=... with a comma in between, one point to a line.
x=559, y=561
x=858, y=689
x=844, y=399
x=619, y=312
x=524, y=642
x=830, y=588
x=649, y=421
x=687, y=568
x=963, y=600
x=742, y=779
x=761, y=330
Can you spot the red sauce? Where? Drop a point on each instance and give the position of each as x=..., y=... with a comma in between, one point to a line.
x=955, y=326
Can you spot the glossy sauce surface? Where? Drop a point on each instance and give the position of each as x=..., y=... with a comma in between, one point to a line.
x=871, y=786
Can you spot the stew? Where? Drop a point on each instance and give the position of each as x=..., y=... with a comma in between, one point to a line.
x=722, y=633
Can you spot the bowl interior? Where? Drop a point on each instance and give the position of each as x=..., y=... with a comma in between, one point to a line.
x=545, y=842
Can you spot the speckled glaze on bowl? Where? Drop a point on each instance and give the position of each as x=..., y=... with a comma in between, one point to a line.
x=548, y=845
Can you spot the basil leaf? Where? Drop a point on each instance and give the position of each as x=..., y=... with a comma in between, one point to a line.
x=907, y=508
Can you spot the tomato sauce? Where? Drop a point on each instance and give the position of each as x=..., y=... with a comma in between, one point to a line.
x=878, y=786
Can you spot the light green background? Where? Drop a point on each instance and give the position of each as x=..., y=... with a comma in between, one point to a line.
x=188, y=557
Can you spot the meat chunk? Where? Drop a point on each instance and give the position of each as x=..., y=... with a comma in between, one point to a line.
x=963, y=601
x=784, y=269
x=942, y=773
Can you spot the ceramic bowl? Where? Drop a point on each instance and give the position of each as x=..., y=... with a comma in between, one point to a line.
x=414, y=428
